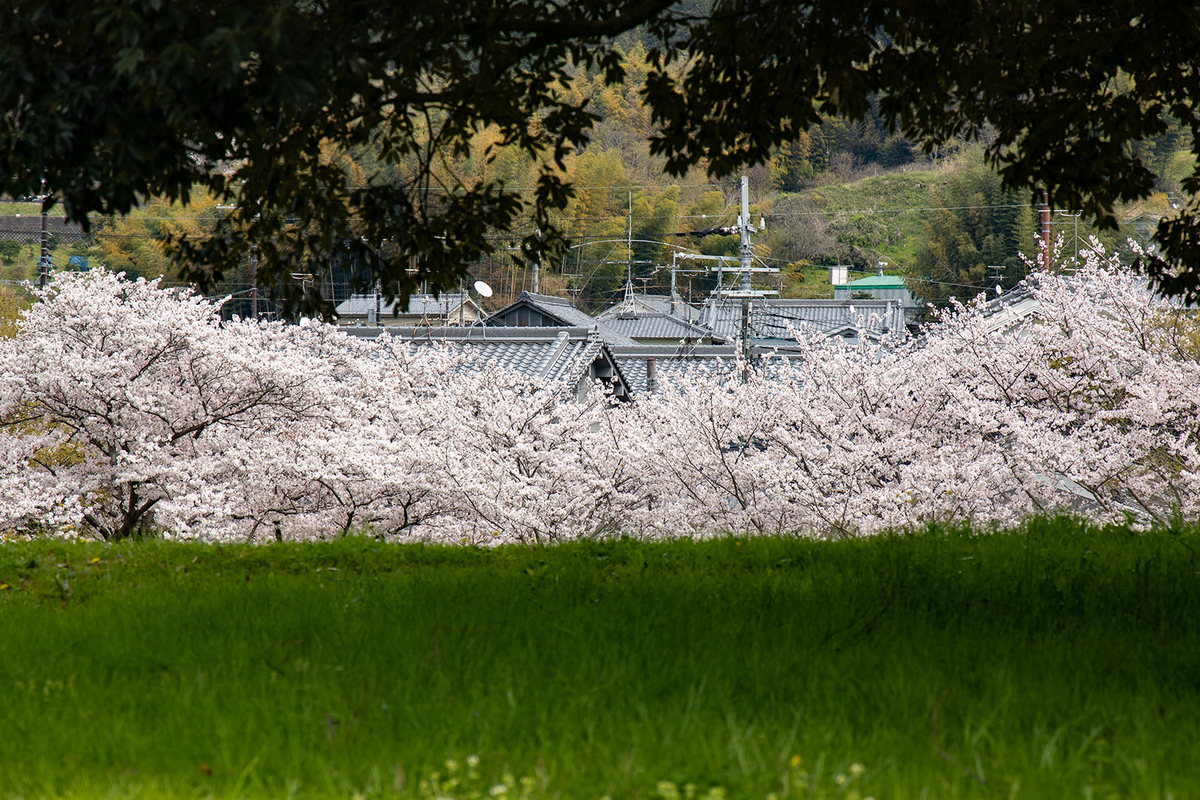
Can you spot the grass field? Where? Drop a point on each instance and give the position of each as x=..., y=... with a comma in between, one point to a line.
x=1054, y=662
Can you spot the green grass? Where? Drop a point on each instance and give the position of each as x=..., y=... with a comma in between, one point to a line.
x=1057, y=661
x=1179, y=167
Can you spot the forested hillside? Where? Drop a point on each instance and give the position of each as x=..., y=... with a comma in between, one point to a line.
x=842, y=193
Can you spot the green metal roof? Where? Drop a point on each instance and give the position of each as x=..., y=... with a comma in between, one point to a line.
x=873, y=282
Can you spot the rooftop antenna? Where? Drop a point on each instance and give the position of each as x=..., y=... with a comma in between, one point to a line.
x=997, y=277
x=538, y=263
x=483, y=290
x=629, y=243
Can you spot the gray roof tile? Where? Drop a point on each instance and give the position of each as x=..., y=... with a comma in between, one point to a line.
x=423, y=305
x=651, y=304
x=771, y=317
x=652, y=325
x=559, y=356
x=560, y=308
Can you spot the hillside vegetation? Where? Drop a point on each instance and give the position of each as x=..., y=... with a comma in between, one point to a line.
x=844, y=193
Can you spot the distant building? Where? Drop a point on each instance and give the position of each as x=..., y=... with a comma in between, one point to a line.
x=657, y=368
x=651, y=319
x=421, y=310
x=547, y=311
x=637, y=304
x=876, y=287
x=1145, y=225
x=661, y=329
x=653, y=368
x=571, y=358
x=773, y=320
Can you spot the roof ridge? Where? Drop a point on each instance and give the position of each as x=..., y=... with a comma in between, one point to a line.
x=557, y=348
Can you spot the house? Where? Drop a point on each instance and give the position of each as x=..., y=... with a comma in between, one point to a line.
x=572, y=358
x=1011, y=311
x=1145, y=225
x=656, y=328
x=652, y=368
x=876, y=287
x=772, y=320
x=638, y=304
x=421, y=310
x=546, y=311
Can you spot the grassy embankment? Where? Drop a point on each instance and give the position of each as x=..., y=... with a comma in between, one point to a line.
x=883, y=215
x=1052, y=662
x=863, y=214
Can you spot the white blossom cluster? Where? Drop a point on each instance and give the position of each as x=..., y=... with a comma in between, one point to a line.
x=128, y=408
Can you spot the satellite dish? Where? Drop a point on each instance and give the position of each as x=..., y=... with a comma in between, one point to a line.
x=483, y=289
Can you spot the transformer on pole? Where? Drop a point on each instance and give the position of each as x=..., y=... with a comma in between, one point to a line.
x=745, y=261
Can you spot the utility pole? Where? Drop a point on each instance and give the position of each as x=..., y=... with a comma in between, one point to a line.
x=745, y=291
x=44, y=258
x=254, y=281
x=537, y=265
x=1045, y=230
x=672, y=306
x=747, y=261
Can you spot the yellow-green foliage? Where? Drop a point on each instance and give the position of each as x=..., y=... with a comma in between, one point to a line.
x=1180, y=332
x=12, y=300
x=135, y=244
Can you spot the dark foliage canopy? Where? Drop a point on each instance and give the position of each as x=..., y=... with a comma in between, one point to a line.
x=107, y=102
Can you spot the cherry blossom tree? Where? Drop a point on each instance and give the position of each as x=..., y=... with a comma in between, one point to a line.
x=529, y=465
x=847, y=439
x=1094, y=394
x=121, y=398
x=126, y=407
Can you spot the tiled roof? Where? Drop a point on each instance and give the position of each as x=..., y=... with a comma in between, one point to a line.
x=559, y=356
x=674, y=364
x=560, y=309
x=770, y=318
x=424, y=305
x=650, y=325
x=650, y=304
x=1011, y=309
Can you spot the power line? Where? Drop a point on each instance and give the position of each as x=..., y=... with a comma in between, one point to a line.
x=903, y=210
